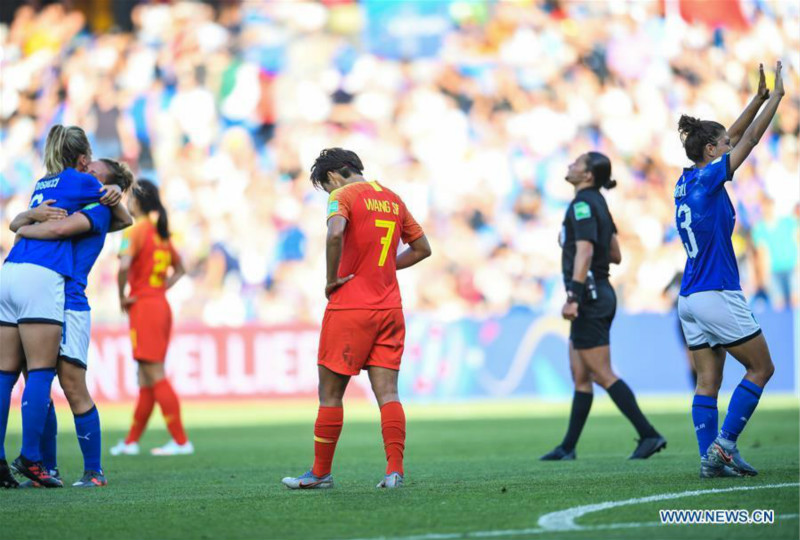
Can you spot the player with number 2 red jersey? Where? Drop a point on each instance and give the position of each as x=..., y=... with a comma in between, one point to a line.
x=150, y=265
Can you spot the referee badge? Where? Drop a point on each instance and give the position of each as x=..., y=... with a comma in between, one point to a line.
x=333, y=207
x=582, y=210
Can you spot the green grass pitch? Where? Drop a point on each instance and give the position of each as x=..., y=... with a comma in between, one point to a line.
x=470, y=469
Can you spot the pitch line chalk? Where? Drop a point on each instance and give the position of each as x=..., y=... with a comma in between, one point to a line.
x=564, y=520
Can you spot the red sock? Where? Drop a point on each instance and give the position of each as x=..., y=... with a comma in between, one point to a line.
x=326, y=433
x=141, y=414
x=171, y=409
x=393, y=427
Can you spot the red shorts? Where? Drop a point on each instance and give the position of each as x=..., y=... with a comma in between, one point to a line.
x=354, y=339
x=151, y=324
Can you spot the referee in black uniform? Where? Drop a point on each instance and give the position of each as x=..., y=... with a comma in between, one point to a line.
x=589, y=243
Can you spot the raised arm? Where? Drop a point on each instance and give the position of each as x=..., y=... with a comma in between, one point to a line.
x=755, y=130
x=43, y=212
x=746, y=118
x=333, y=254
x=416, y=251
x=75, y=224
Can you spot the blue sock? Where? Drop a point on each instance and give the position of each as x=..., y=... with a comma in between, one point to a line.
x=705, y=417
x=7, y=381
x=87, y=428
x=35, y=403
x=743, y=402
x=49, y=439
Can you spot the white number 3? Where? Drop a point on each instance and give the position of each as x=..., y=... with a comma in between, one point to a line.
x=36, y=200
x=686, y=224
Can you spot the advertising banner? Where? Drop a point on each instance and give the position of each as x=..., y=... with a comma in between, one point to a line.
x=519, y=355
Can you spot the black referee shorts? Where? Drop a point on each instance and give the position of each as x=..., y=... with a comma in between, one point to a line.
x=592, y=328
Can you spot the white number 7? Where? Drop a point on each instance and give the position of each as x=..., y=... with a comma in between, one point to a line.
x=686, y=224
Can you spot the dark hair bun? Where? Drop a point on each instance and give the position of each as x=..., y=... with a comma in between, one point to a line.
x=696, y=134
x=688, y=125
x=611, y=184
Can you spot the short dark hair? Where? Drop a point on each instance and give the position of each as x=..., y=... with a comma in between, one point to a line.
x=344, y=162
x=696, y=134
x=600, y=166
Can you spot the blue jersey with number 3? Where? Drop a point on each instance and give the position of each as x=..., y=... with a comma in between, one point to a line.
x=705, y=219
x=72, y=190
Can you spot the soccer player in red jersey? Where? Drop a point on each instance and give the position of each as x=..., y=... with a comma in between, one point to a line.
x=363, y=327
x=146, y=257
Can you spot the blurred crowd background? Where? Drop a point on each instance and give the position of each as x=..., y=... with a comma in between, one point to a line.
x=471, y=111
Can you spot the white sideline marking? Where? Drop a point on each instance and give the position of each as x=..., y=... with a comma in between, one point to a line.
x=564, y=520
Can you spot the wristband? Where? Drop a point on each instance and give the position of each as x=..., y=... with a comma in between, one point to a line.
x=575, y=291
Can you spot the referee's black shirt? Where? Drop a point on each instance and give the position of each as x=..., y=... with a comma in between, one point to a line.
x=588, y=219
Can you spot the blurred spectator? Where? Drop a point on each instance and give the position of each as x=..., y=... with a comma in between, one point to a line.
x=471, y=111
x=776, y=238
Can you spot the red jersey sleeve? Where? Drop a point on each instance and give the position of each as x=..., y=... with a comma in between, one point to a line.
x=411, y=229
x=339, y=203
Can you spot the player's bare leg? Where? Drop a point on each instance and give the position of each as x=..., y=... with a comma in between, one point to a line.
x=598, y=360
x=327, y=429
x=754, y=356
x=10, y=365
x=73, y=381
x=393, y=423
x=581, y=405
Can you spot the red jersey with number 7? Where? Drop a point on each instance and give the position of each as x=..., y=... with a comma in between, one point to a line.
x=151, y=258
x=377, y=220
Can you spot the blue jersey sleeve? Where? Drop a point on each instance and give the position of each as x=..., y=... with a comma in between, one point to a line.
x=99, y=216
x=716, y=173
x=87, y=188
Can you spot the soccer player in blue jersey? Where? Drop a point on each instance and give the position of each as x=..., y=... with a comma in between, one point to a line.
x=714, y=313
x=87, y=228
x=32, y=299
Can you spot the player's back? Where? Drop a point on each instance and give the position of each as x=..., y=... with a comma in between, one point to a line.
x=151, y=257
x=705, y=219
x=377, y=221
x=71, y=190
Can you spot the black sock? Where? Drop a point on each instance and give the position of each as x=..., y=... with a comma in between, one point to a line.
x=623, y=398
x=581, y=404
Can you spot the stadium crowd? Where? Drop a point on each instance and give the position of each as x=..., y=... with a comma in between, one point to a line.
x=473, y=124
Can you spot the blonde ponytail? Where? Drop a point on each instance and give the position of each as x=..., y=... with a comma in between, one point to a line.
x=63, y=147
